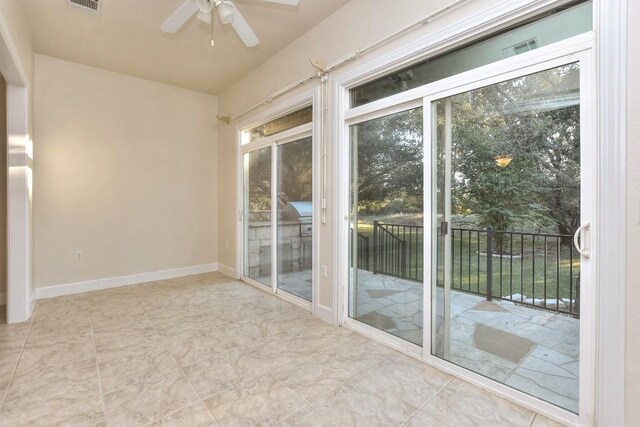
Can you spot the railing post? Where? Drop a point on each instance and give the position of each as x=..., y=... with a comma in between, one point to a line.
x=375, y=247
x=403, y=261
x=366, y=253
x=489, y=262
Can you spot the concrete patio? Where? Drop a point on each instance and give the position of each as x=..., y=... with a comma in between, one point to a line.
x=298, y=283
x=532, y=350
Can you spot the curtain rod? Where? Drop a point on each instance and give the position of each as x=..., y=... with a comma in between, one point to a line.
x=324, y=70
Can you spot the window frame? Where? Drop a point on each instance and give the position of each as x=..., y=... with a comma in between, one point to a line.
x=492, y=20
x=309, y=97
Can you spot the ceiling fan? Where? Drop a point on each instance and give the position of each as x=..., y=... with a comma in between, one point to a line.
x=227, y=12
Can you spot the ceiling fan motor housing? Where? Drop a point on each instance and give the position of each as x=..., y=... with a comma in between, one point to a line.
x=205, y=6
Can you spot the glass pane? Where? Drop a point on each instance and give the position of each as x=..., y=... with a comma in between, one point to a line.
x=295, y=218
x=257, y=208
x=386, y=284
x=286, y=122
x=527, y=36
x=507, y=202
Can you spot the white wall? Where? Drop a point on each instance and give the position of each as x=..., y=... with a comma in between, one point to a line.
x=124, y=171
x=16, y=66
x=633, y=218
x=3, y=190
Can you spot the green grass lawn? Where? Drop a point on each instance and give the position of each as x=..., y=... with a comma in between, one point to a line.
x=516, y=275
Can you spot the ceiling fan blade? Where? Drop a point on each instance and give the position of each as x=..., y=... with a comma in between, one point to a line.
x=180, y=17
x=242, y=27
x=289, y=2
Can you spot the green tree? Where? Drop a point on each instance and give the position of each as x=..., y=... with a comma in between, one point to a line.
x=390, y=161
x=535, y=120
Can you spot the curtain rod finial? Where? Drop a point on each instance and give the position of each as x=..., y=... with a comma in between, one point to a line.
x=225, y=119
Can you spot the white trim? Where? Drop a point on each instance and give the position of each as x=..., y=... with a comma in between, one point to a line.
x=399, y=344
x=20, y=293
x=278, y=138
x=588, y=188
x=295, y=300
x=285, y=296
x=116, y=282
x=488, y=22
x=317, y=179
x=364, y=113
x=312, y=97
x=227, y=271
x=569, y=50
x=323, y=313
x=567, y=47
x=611, y=25
x=19, y=206
x=276, y=110
x=279, y=109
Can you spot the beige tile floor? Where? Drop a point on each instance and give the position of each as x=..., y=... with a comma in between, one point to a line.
x=207, y=350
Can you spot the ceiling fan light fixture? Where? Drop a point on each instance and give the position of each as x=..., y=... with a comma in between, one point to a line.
x=225, y=13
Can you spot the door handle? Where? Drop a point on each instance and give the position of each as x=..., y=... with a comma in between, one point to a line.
x=444, y=228
x=584, y=251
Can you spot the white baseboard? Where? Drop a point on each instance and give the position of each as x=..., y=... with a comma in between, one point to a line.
x=323, y=313
x=227, y=271
x=115, y=282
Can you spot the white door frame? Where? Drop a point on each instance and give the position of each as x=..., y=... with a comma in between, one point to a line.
x=20, y=292
x=307, y=98
x=589, y=203
x=579, y=48
x=610, y=25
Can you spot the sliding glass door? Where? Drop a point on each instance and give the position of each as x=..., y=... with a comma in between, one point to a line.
x=278, y=213
x=506, y=202
x=295, y=217
x=469, y=226
x=386, y=282
x=257, y=207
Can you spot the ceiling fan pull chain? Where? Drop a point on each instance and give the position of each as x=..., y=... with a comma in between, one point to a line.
x=212, y=20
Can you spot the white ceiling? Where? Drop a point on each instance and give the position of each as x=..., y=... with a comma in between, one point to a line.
x=125, y=37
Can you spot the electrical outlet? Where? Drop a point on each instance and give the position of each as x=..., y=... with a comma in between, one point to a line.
x=323, y=271
x=79, y=255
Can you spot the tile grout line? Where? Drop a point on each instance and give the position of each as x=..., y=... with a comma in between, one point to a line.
x=15, y=368
x=155, y=375
x=418, y=408
x=305, y=403
x=433, y=397
x=95, y=352
x=184, y=375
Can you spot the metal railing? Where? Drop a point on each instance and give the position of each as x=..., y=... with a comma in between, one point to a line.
x=397, y=250
x=363, y=252
x=533, y=269
x=389, y=251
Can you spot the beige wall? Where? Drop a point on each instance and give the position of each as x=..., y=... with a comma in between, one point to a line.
x=633, y=219
x=124, y=170
x=3, y=190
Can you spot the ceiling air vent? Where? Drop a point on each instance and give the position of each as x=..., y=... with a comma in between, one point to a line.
x=87, y=5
